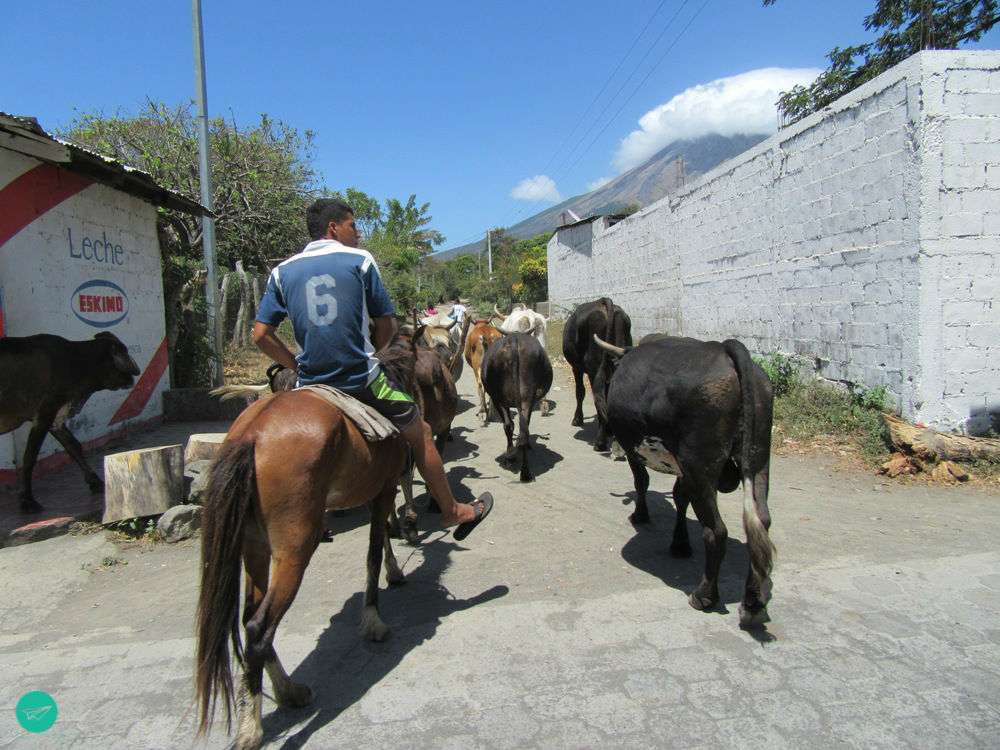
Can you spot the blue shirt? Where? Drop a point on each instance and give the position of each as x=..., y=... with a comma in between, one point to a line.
x=331, y=293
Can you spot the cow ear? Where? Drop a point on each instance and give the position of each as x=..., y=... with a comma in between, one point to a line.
x=119, y=354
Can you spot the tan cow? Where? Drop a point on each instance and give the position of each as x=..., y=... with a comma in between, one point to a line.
x=477, y=342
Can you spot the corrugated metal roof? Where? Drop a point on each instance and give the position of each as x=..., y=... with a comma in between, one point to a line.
x=25, y=135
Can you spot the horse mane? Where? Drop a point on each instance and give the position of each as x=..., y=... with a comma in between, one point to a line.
x=398, y=358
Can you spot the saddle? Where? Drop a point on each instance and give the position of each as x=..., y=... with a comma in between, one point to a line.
x=372, y=425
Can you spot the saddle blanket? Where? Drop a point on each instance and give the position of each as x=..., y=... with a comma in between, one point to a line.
x=372, y=425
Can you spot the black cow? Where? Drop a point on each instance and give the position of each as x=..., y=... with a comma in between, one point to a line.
x=516, y=374
x=610, y=323
x=46, y=380
x=702, y=411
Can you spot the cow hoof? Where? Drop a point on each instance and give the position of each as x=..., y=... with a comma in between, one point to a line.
x=639, y=517
x=30, y=505
x=680, y=549
x=577, y=422
x=600, y=447
x=525, y=478
x=701, y=603
x=752, y=617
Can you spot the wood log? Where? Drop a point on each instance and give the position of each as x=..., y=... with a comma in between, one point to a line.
x=202, y=446
x=933, y=446
x=143, y=482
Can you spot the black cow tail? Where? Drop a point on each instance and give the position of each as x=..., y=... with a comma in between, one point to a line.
x=759, y=541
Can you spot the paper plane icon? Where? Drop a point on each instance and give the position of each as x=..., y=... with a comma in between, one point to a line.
x=34, y=714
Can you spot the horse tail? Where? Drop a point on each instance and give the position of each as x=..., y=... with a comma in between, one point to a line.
x=232, y=486
x=758, y=540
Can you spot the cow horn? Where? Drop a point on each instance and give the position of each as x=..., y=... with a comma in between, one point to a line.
x=451, y=325
x=497, y=312
x=615, y=350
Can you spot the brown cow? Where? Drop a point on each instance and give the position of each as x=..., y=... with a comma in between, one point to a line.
x=477, y=342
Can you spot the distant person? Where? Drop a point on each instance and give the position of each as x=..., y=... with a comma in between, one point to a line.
x=330, y=291
x=430, y=309
x=457, y=311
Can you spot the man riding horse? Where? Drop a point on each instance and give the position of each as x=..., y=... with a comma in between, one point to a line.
x=330, y=291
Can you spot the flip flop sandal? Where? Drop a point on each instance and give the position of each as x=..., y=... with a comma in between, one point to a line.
x=483, y=506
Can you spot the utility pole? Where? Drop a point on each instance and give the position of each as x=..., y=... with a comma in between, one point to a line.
x=489, y=252
x=205, y=169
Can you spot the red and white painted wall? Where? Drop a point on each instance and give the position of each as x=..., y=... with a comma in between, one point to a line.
x=77, y=258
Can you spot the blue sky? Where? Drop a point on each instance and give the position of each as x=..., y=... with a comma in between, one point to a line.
x=490, y=111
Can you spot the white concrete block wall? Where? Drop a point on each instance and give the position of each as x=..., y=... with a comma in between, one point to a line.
x=863, y=239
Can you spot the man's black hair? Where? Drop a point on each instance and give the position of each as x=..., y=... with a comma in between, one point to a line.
x=322, y=212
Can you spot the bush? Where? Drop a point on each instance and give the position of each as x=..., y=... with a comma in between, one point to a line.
x=781, y=369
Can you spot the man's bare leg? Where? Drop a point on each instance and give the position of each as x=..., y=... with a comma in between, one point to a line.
x=431, y=468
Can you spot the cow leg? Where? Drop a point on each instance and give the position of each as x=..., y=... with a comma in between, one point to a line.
x=680, y=546
x=640, y=477
x=756, y=524
x=524, y=438
x=28, y=503
x=580, y=393
x=75, y=451
x=509, y=457
x=601, y=440
x=715, y=534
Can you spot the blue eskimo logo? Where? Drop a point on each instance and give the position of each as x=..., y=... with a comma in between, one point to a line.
x=99, y=303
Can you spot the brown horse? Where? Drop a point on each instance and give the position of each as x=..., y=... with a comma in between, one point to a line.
x=287, y=459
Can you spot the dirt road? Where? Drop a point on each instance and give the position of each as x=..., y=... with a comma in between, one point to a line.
x=556, y=624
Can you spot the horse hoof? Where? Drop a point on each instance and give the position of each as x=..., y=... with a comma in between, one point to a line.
x=30, y=505
x=296, y=695
x=680, y=550
x=752, y=617
x=373, y=627
x=638, y=518
x=701, y=603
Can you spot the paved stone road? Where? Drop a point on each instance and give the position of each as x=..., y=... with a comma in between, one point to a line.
x=556, y=624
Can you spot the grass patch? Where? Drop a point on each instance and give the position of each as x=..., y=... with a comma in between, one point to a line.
x=813, y=413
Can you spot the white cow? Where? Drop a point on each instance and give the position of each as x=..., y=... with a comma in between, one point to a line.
x=523, y=320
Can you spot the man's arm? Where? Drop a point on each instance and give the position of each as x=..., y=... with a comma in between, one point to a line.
x=266, y=339
x=384, y=328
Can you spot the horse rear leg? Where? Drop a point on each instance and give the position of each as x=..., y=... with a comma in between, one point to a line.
x=267, y=604
x=371, y=623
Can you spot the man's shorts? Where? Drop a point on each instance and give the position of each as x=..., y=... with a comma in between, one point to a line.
x=389, y=400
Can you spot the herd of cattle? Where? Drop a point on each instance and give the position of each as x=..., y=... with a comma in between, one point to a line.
x=699, y=410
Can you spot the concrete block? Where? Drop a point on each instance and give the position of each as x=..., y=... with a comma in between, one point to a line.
x=202, y=446
x=142, y=482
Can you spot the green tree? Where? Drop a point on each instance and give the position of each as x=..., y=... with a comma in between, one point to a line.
x=399, y=238
x=261, y=186
x=904, y=27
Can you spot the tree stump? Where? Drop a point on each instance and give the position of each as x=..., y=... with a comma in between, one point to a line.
x=143, y=482
x=202, y=446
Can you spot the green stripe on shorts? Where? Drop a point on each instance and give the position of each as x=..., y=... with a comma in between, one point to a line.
x=382, y=391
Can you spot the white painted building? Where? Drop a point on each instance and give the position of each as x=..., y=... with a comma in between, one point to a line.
x=863, y=239
x=79, y=254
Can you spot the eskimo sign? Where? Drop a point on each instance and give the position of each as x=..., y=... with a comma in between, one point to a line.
x=100, y=303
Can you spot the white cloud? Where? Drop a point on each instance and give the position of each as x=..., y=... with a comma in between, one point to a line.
x=740, y=104
x=598, y=183
x=537, y=188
